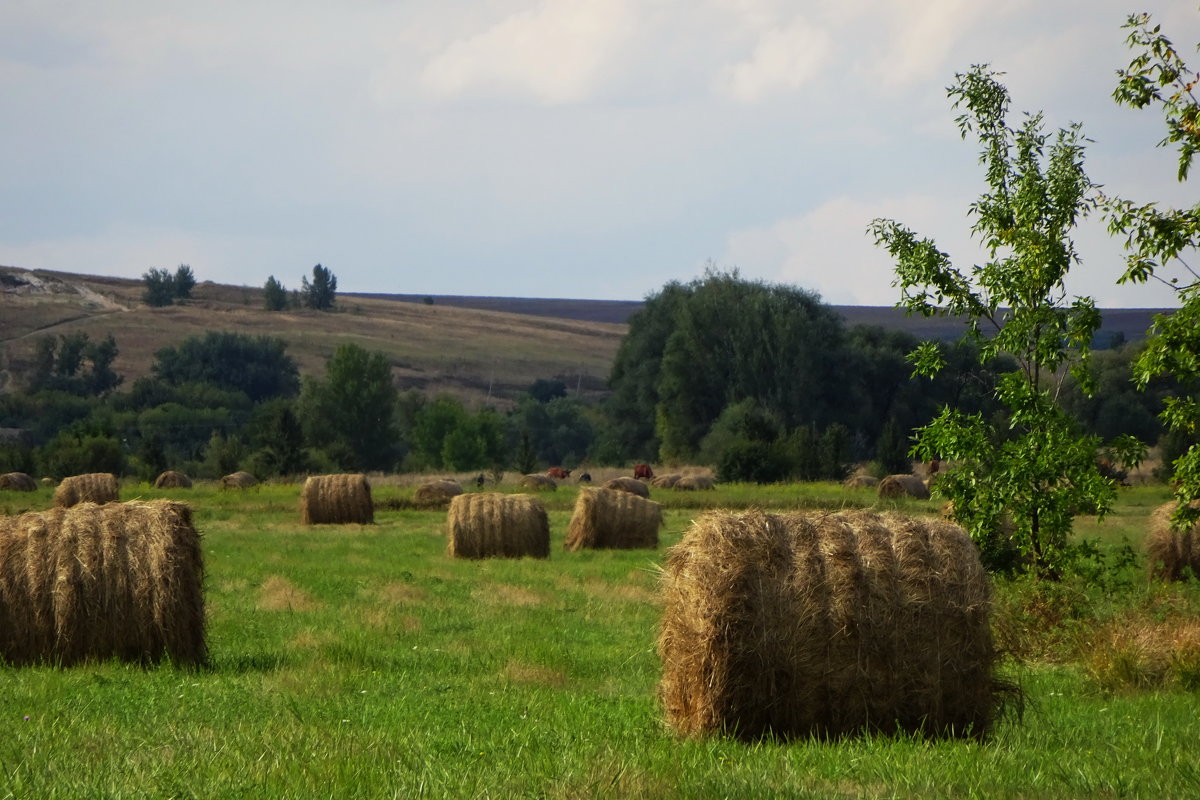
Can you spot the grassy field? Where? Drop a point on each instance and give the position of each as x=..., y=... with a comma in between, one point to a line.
x=360, y=661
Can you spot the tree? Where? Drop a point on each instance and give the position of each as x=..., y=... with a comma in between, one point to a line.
x=255, y=365
x=160, y=287
x=59, y=365
x=1036, y=468
x=1156, y=237
x=352, y=413
x=184, y=281
x=321, y=293
x=275, y=297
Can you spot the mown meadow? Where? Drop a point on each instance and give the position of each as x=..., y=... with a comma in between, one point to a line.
x=361, y=661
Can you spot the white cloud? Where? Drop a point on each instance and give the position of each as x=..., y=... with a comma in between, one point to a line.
x=784, y=59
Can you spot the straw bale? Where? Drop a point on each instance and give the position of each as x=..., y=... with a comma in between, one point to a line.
x=695, y=483
x=238, y=480
x=861, y=482
x=94, y=582
x=606, y=518
x=18, y=482
x=539, y=483
x=665, y=481
x=436, y=493
x=630, y=485
x=894, y=486
x=826, y=624
x=496, y=525
x=336, y=500
x=1170, y=553
x=171, y=479
x=94, y=487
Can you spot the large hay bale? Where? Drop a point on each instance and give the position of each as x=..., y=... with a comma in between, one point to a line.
x=1170, y=553
x=171, y=479
x=665, y=481
x=608, y=519
x=495, y=525
x=238, y=480
x=18, y=482
x=539, y=483
x=93, y=582
x=894, y=486
x=695, y=483
x=94, y=487
x=336, y=500
x=861, y=482
x=437, y=493
x=826, y=624
x=630, y=485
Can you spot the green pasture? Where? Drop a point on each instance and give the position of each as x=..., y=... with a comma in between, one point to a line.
x=361, y=662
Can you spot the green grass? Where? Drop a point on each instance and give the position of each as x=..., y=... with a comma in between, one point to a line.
x=360, y=661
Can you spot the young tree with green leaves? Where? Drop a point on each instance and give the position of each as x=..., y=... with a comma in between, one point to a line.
x=160, y=287
x=1156, y=238
x=184, y=281
x=1038, y=469
x=352, y=413
x=321, y=294
x=275, y=297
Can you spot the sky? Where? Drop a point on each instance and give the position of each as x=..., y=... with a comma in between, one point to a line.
x=544, y=148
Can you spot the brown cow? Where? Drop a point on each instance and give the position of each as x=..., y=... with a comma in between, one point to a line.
x=643, y=472
x=558, y=473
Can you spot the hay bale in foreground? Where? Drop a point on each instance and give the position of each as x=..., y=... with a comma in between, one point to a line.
x=826, y=624
x=18, y=482
x=630, y=485
x=608, y=519
x=665, y=481
x=436, y=493
x=93, y=582
x=94, y=487
x=695, y=483
x=171, y=479
x=539, y=483
x=238, y=480
x=336, y=500
x=495, y=525
x=894, y=486
x=861, y=482
x=1170, y=553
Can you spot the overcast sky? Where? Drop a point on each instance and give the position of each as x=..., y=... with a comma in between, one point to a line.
x=541, y=148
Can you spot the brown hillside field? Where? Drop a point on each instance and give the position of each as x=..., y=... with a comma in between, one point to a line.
x=469, y=353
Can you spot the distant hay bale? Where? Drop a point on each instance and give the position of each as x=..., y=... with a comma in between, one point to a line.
x=48, y=481
x=630, y=485
x=495, y=525
x=238, y=480
x=18, y=482
x=1170, y=553
x=539, y=483
x=861, y=482
x=695, y=483
x=665, y=481
x=94, y=487
x=336, y=500
x=436, y=493
x=608, y=519
x=894, y=486
x=172, y=480
x=94, y=582
x=826, y=624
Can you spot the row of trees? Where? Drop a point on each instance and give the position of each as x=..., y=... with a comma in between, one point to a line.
x=164, y=288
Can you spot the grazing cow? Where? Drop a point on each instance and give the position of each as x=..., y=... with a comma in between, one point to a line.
x=479, y=481
x=558, y=473
x=643, y=472
x=585, y=477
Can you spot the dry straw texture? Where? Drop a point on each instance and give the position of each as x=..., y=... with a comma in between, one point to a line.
x=665, y=481
x=436, y=493
x=604, y=518
x=539, y=483
x=238, y=480
x=894, y=486
x=1171, y=553
x=336, y=500
x=693, y=483
x=631, y=485
x=172, y=480
x=18, y=482
x=826, y=625
x=861, y=482
x=94, y=487
x=93, y=582
x=494, y=525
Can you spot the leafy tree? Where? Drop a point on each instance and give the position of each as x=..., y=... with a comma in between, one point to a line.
x=352, y=412
x=559, y=431
x=255, y=365
x=891, y=450
x=1039, y=469
x=160, y=287
x=1156, y=237
x=544, y=390
x=432, y=424
x=278, y=439
x=321, y=294
x=59, y=364
x=275, y=297
x=184, y=281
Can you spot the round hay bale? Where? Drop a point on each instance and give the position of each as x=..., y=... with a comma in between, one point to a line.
x=665, y=481
x=48, y=481
x=336, y=500
x=495, y=525
x=695, y=483
x=238, y=480
x=539, y=483
x=1171, y=553
x=861, y=482
x=18, y=482
x=630, y=485
x=172, y=480
x=894, y=486
x=94, y=487
x=826, y=624
x=606, y=518
x=436, y=493
x=94, y=582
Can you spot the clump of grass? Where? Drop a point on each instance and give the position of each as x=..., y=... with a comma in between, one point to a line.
x=1137, y=653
